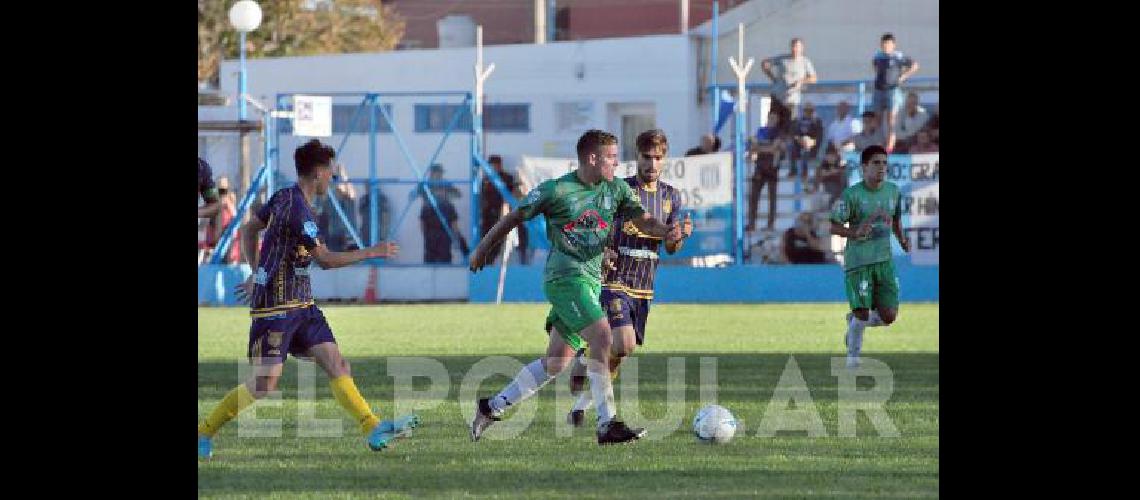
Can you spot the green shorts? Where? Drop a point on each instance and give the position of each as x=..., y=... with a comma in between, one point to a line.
x=575, y=304
x=873, y=286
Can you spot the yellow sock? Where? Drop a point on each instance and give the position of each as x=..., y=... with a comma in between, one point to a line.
x=349, y=397
x=235, y=401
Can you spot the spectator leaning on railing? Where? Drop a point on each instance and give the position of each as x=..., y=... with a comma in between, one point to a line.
x=914, y=118
x=843, y=127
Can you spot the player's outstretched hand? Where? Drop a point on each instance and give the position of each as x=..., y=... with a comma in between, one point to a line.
x=244, y=290
x=478, y=259
x=687, y=225
x=905, y=244
x=384, y=249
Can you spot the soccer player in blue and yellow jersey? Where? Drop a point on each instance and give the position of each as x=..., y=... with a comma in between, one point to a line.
x=627, y=285
x=285, y=320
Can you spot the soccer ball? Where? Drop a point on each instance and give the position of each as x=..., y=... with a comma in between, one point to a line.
x=714, y=424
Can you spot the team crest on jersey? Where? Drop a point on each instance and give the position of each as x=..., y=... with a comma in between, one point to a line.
x=629, y=228
x=275, y=339
x=615, y=305
x=310, y=228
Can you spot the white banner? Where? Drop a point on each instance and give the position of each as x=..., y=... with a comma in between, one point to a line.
x=922, y=228
x=312, y=116
x=704, y=181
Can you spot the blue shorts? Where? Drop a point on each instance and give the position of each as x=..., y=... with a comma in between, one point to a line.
x=623, y=310
x=293, y=332
x=887, y=99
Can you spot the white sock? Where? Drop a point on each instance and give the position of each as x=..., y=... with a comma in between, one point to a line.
x=603, y=392
x=855, y=337
x=874, y=320
x=584, y=402
x=529, y=380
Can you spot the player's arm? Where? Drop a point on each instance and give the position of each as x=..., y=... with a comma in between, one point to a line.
x=329, y=259
x=250, y=231
x=496, y=234
x=653, y=227
x=672, y=246
x=841, y=214
x=210, y=209
x=766, y=67
x=249, y=234
x=910, y=70
x=896, y=225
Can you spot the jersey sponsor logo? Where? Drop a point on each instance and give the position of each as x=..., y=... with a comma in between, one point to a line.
x=533, y=197
x=864, y=287
x=667, y=206
x=587, y=229
x=577, y=312
x=615, y=305
x=310, y=228
x=261, y=277
x=275, y=339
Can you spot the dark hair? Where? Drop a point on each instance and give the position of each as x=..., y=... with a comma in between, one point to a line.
x=592, y=140
x=652, y=139
x=495, y=159
x=887, y=36
x=796, y=39
x=312, y=154
x=716, y=143
x=870, y=151
x=868, y=114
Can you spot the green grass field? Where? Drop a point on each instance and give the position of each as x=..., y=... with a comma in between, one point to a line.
x=752, y=344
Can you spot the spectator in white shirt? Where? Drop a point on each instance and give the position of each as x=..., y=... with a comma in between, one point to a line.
x=911, y=121
x=843, y=128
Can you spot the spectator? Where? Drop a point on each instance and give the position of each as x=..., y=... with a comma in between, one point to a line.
x=923, y=144
x=807, y=133
x=227, y=209
x=789, y=74
x=870, y=134
x=891, y=68
x=329, y=221
x=384, y=213
x=843, y=127
x=801, y=245
x=766, y=150
x=932, y=128
x=913, y=119
x=831, y=175
x=437, y=244
x=492, y=206
x=709, y=144
x=207, y=191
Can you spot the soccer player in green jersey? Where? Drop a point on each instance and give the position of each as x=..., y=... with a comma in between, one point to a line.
x=871, y=210
x=580, y=208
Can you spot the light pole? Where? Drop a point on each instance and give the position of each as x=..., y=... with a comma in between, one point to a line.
x=245, y=16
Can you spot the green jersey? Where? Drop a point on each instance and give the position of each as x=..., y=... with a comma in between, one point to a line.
x=579, y=219
x=859, y=205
